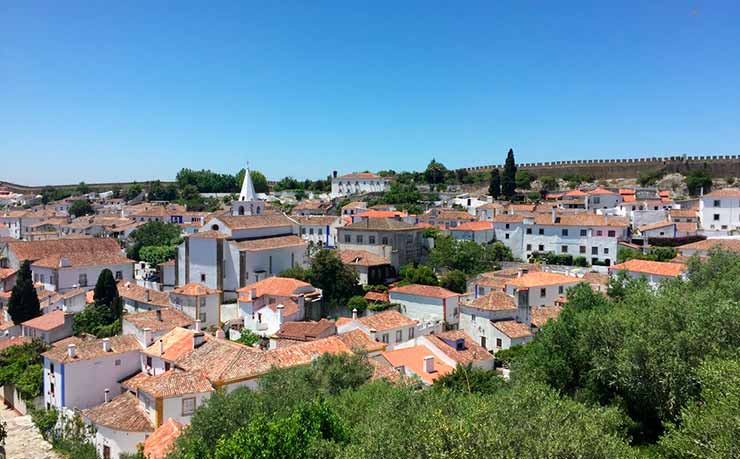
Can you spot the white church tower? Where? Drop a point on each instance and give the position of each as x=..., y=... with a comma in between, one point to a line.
x=248, y=204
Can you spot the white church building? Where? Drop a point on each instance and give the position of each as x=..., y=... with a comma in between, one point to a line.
x=240, y=247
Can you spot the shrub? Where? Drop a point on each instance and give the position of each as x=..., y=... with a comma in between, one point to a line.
x=580, y=261
x=357, y=302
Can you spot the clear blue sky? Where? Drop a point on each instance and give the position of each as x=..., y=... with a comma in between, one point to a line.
x=101, y=91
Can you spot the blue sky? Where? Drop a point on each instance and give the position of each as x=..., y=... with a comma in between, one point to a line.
x=100, y=91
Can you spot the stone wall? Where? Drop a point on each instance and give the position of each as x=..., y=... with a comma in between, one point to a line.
x=719, y=166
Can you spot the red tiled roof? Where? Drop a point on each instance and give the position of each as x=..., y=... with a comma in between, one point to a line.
x=360, y=175
x=46, y=322
x=424, y=290
x=412, y=358
x=473, y=226
x=470, y=353
x=387, y=320
x=541, y=279
x=270, y=243
x=160, y=443
x=123, y=412
x=275, y=286
x=494, y=301
x=14, y=341
x=513, y=329
x=164, y=319
x=658, y=268
x=36, y=250
x=305, y=331
x=656, y=225
x=732, y=245
x=195, y=289
x=724, y=193
x=362, y=258
x=381, y=297
x=540, y=315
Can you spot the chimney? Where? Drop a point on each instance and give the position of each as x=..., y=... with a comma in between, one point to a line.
x=159, y=315
x=106, y=344
x=354, y=314
x=220, y=334
x=373, y=332
x=280, y=308
x=72, y=351
x=147, y=336
x=554, y=214
x=198, y=339
x=105, y=394
x=429, y=364
x=197, y=325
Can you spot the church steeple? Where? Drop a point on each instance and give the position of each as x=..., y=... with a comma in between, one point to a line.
x=248, y=204
x=247, y=193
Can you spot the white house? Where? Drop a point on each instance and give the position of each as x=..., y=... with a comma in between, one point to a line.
x=266, y=305
x=137, y=298
x=720, y=210
x=601, y=198
x=50, y=327
x=120, y=423
x=427, y=303
x=149, y=326
x=389, y=327
x=198, y=302
x=321, y=230
x=480, y=232
x=77, y=375
x=356, y=183
x=545, y=288
x=393, y=239
x=477, y=316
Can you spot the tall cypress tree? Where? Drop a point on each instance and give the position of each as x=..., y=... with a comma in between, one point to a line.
x=106, y=294
x=508, y=181
x=24, y=302
x=494, y=188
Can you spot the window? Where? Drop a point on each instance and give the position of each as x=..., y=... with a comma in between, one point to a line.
x=371, y=239
x=507, y=226
x=541, y=247
x=594, y=250
x=606, y=250
x=41, y=278
x=716, y=203
x=399, y=336
x=584, y=232
x=83, y=280
x=320, y=231
x=612, y=233
x=411, y=332
x=582, y=249
x=716, y=217
x=359, y=239
x=202, y=277
x=51, y=388
x=117, y=362
x=541, y=231
x=347, y=238
x=599, y=233
x=564, y=248
x=565, y=232
x=483, y=341
x=202, y=317
x=561, y=289
x=529, y=230
x=51, y=367
x=385, y=338
x=384, y=241
x=529, y=247
x=119, y=275
x=188, y=406
x=498, y=343
x=167, y=366
x=310, y=231
x=149, y=362
x=543, y=292
x=506, y=236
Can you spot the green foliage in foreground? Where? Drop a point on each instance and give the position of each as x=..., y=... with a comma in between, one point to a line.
x=21, y=366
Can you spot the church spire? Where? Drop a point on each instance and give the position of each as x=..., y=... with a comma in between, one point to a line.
x=247, y=193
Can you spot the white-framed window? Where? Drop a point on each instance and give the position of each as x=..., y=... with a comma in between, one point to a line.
x=543, y=292
x=411, y=332
x=399, y=336
x=188, y=406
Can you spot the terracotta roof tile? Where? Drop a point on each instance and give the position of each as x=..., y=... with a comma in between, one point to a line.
x=36, y=250
x=360, y=175
x=93, y=349
x=211, y=234
x=46, y=322
x=724, y=193
x=473, y=226
x=174, y=344
x=658, y=268
x=381, y=224
x=270, y=243
x=424, y=290
x=242, y=222
x=132, y=291
x=381, y=297
x=362, y=258
x=195, y=289
x=14, y=341
x=540, y=315
x=656, y=225
x=122, y=413
x=412, y=358
x=174, y=383
x=512, y=328
x=275, y=286
x=494, y=301
x=160, y=443
x=470, y=352
x=305, y=331
x=358, y=340
x=315, y=220
x=387, y=320
x=732, y=245
x=541, y=279
x=164, y=319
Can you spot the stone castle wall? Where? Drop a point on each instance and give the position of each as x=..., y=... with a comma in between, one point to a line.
x=719, y=166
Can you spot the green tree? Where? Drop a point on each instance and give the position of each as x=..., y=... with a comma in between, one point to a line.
x=152, y=234
x=157, y=254
x=103, y=317
x=338, y=281
x=455, y=281
x=467, y=256
x=24, y=302
x=132, y=191
x=82, y=188
x=421, y=274
x=435, y=172
x=465, y=378
x=80, y=207
x=258, y=180
x=548, y=183
x=698, y=180
x=710, y=427
x=494, y=187
x=106, y=294
x=508, y=180
x=523, y=179
x=357, y=302
x=248, y=338
x=20, y=365
x=297, y=272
